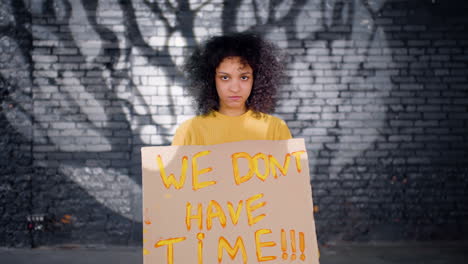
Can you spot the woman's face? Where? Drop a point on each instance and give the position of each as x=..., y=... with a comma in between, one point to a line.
x=234, y=81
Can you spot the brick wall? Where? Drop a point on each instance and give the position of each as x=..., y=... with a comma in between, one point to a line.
x=16, y=170
x=378, y=89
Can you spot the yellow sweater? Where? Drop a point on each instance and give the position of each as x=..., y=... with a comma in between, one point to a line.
x=216, y=128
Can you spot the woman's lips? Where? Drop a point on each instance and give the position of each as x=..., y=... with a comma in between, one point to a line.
x=235, y=98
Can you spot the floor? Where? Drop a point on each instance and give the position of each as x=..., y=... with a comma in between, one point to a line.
x=362, y=253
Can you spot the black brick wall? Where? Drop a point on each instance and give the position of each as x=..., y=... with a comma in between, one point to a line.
x=15, y=124
x=378, y=89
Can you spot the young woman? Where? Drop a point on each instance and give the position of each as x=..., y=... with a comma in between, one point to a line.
x=234, y=80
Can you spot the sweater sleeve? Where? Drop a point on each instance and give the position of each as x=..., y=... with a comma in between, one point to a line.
x=283, y=131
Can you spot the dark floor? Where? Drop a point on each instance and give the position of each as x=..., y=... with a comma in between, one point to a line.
x=372, y=253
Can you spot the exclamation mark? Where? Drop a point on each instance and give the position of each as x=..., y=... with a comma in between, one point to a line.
x=284, y=245
x=293, y=244
x=302, y=245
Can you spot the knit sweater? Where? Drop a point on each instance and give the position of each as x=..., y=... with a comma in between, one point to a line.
x=216, y=128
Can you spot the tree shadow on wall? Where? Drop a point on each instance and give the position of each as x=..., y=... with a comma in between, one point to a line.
x=31, y=187
x=425, y=172
x=75, y=183
x=107, y=75
x=406, y=185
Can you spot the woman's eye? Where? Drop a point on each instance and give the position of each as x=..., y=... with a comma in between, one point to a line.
x=244, y=78
x=224, y=77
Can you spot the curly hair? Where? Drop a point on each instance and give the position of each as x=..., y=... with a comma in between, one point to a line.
x=262, y=56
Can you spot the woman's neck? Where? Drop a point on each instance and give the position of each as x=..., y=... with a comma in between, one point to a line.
x=232, y=112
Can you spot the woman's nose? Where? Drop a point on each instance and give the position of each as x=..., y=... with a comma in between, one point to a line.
x=235, y=86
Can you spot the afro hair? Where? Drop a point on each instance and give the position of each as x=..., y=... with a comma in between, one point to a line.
x=262, y=56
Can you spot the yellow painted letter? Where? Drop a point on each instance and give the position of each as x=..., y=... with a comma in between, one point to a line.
x=200, y=237
x=253, y=220
x=297, y=156
x=195, y=172
x=189, y=216
x=218, y=212
x=275, y=164
x=223, y=243
x=259, y=245
x=265, y=161
x=171, y=180
x=234, y=215
x=235, y=166
x=170, y=248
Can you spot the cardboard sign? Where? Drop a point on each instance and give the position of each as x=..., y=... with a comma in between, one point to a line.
x=240, y=202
